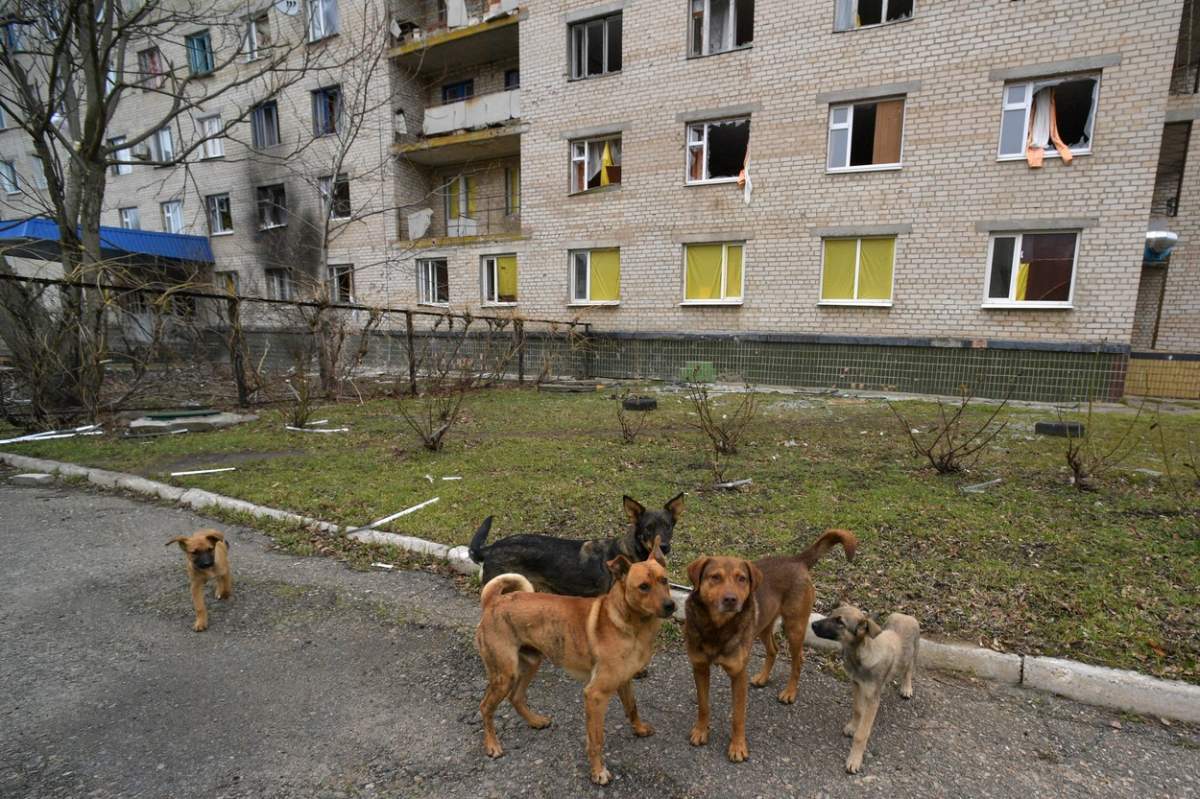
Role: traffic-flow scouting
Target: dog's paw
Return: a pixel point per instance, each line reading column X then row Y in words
column 200, row 626
column 760, row 680
column 906, row 692
column 849, row 729
column 787, row 696
column 699, row 736
column 643, row 730
column 853, row 764
column 493, row 748
column 602, row 777
column 738, row 751
column 225, row 595
column 538, row 721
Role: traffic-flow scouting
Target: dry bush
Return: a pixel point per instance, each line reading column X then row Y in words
column 723, row 430
column 1086, row 459
column 949, row 446
column 631, row 426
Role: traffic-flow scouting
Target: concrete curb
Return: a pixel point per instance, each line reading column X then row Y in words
column 1095, row 685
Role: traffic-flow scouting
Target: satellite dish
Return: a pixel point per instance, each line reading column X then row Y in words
column 289, row 7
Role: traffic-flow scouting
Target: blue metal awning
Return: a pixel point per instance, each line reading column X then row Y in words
column 37, row 237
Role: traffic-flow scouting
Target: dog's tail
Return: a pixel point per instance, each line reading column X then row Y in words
column 503, row 584
column 826, row 542
column 475, row 548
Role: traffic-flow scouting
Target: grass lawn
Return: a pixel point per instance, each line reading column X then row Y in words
column 1031, row 565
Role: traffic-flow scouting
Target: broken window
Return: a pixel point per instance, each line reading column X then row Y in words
column 499, row 278
column 162, row 146
column 322, row 19
column 220, row 214
column 226, row 281
column 1172, row 157
column 281, row 284
column 201, row 60
column 720, row 25
column 1032, row 268
column 1045, row 118
column 172, row 216
column 512, row 79
column 712, row 273
column 459, row 90
column 866, row 134
column 717, row 150
column 150, row 67
column 857, row 271
column 326, row 110
column 433, row 282
column 272, row 206
column 596, row 46
column 258, row 37
column 264, row 125
column 852, row 14
column 596, row 276
column 341, row 283
column 335, row 194
column 595, row 163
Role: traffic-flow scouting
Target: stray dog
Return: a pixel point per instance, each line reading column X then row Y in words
column 873, row 657
column 734, row 601
column 207, row 559
column 602, row 642
column 576, row 568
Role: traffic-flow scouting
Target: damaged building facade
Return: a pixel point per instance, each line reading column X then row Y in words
column 885, row 194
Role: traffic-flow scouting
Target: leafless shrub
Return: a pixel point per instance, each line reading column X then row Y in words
column 304, row 392
column 723, row 430
column 950, row 446
column 1086, row 459
column 631, row 426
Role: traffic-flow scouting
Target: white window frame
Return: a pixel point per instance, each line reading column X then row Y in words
column 157, row 151
column 725, row 300
column 323, row 20
column 705, row 29
column 858, row 240
column 883, row 20
column 170, row 211
column 848, row 126
column 579, row 30
column 702, row 144
column 253, row 50
column 334, row 272
column 213, row 147
column 38, row 172
column 130, row 214
column 574, row 301
column 326, row 186
column 227, row 279
column 490, row 269
column 258, row 125
column 212, row 203
column 587, row 144
column 427, row 281
column 989, row 302
column 281, row 283
column 121, row 154
column 1049, row 151
column 8, row 177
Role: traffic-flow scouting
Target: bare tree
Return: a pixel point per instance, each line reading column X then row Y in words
column 949, row 445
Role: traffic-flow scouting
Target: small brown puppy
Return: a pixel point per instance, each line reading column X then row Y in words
column 207, row 559
column 734, row 601
column 600, row 641
column 873, row 657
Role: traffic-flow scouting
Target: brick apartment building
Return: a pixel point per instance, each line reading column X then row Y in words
column 902, row 194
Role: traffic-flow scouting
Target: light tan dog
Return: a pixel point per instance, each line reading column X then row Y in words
column 873, row 658
column 207, row 559
column 735, row 601
column 600, row 641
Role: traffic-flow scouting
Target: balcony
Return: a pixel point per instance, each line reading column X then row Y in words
column 466, row 38
column 492, row 221
column 487, row 126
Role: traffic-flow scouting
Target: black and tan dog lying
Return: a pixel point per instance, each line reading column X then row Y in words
column 600, row 641
column 571, row 567
column 873, row 658
column 207, row 559
column 734, row 601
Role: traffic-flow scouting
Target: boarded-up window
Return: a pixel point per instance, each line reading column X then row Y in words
column 712, row 272
column 858, row 271
column 596, row 276
column 1033, row 268
column 866, row 134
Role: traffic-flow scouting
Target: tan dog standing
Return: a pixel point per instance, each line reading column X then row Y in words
column 734, row 601
column 873, row 658
column 207, row 559
column 600, row 641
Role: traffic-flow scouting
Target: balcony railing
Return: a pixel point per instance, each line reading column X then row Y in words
column 493, row 217
column 417, row 31
column 474, row 113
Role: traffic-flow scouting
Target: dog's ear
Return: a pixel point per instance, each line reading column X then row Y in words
column 633, row 509
column 873, row 629
column 214, row 537
column 862, row 628
column 181, row 540
column 619, row 566
column 756, row 575
column 674, row 506
column 695, row 570
column 656, row 552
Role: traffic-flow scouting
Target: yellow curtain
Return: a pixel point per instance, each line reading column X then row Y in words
column 1022, row 279
column 606, row 161
column 454, row 198
column 506, row 279
column 605, row 275
column 733, row 269
column 703, row 275
column 875, row 269
column 837, row 276
column 470, row 197
column 514, row 189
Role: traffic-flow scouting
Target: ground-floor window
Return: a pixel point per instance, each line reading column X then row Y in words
column 596, row 276
column 1032, row 269
column 499, row 278
column 858, row 271
column 341, row 283
column 712, row 273
column 433, row 282
column 281, row 284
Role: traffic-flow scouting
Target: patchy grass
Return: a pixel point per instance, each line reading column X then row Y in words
column 1031, row 565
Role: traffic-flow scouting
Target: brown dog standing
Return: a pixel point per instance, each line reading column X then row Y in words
column 734, row 601
column 207, row 559
column 600, row 641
